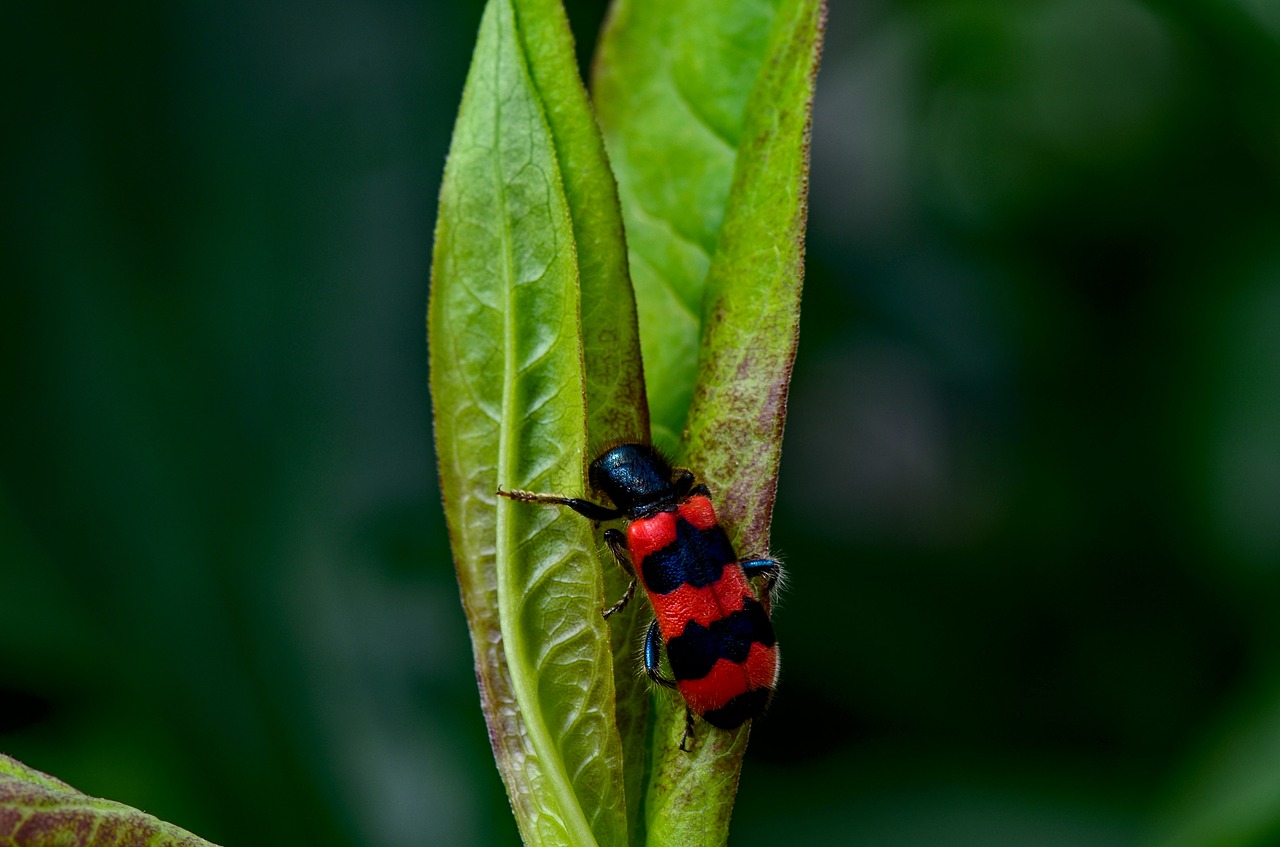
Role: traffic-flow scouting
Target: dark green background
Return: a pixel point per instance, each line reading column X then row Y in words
column 1030, row 497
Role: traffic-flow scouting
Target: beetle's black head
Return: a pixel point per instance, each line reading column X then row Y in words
column 634, row 477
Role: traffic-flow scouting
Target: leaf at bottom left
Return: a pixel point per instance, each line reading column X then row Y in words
column 37, row 810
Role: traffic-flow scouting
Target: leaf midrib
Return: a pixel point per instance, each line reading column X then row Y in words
column 571, row 815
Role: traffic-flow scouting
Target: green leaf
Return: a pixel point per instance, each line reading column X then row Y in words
column 611, row 345
column 508, row 392
column 38, row 810
column 616, row 406
column 707, row 116
column 672, row 88
column 751, row 306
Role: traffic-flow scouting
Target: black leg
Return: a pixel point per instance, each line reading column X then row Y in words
column 589, row 510
column 681, row 481
column 772, row 573
column 618, row 546
column 652, row 654
column 688, row 730
column 700, row 490
column 767, row 568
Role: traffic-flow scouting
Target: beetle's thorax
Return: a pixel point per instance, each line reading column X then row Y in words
column 635, row 479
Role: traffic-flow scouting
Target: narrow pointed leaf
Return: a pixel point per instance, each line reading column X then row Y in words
column 611, row 344
column 508, row 393
column 751, row 306
column 751, row 309
column 616, row 406
column 670, row 86
column 36, row 809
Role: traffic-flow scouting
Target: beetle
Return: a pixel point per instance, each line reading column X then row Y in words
column 716, row 632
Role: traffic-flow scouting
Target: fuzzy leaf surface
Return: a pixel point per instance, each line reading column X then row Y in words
column 37, row 810
column 508, row 393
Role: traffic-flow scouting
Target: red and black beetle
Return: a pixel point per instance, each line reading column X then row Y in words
column 717, row 634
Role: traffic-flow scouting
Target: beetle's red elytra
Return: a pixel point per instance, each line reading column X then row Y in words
column 717, row 635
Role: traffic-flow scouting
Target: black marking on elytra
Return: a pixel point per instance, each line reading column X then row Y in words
column 695, row 557
column 740, row 709
column 695, row 651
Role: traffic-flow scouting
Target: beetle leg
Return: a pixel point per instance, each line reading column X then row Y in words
column 592, row 511
column 683, row 483
column 688, row 730
column 652, row 652
column 682, row 480
column 767, row 568
column 618, row 546
column 652, row 644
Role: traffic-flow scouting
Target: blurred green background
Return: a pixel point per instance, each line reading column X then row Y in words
column 1030, row 496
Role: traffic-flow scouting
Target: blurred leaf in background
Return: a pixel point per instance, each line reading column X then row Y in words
column 1026, row 391
column 1030, row 490
column 229, row 599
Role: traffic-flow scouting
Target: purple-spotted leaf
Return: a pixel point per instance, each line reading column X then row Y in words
column 37, row 810
column 751, row 304
column 508, row 388
column 671, row 82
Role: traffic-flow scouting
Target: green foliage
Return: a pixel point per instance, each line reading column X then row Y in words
column 671, row 86
column 1030, row 484
column 613, row 377
column 37, row 810
column 535, row 356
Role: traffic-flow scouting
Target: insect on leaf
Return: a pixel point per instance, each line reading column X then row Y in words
column 719, row 100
